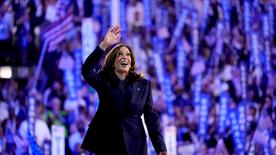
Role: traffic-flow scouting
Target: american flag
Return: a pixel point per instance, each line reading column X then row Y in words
column 57, row 31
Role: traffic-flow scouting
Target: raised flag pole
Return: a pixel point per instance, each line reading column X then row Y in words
column 40, row 61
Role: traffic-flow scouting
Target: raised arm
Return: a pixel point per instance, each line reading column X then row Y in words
column 89, row 68
column 112, row 36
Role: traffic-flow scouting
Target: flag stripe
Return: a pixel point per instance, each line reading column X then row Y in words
column 53, row 44
column 58, row 27
column 61, row 32
column 56, row 23
column 56, row 39
column 56, row 32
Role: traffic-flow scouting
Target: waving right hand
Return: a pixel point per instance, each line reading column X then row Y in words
column 112, row 36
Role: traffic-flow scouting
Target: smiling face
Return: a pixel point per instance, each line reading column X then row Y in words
column 122, row 61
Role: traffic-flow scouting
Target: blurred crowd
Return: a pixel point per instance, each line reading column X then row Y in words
column 215, row 46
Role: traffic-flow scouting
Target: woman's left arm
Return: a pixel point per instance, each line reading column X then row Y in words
column 153, row 125
column 89, row 71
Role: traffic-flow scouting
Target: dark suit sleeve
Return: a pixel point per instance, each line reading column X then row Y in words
column 153, row 123
column 89, row 71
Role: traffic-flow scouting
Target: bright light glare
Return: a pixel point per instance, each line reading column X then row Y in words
column 5, row 72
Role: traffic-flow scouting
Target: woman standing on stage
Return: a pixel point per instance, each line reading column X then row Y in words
column 124, row 95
